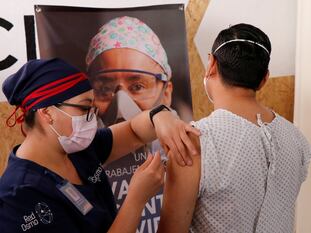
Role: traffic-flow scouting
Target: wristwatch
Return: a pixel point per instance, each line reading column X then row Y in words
column 157, row 110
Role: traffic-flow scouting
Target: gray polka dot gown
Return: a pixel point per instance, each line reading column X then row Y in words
column 250, row 175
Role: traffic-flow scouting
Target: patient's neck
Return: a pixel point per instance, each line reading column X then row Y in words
column 242, row 102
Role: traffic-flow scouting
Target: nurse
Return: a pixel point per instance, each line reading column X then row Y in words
column 55, row 181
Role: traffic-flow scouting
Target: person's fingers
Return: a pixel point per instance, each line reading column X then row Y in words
column 156, row 162
column 190, row 129
column 189, row 144
column 146, row 163
column 179, row 159
column 162, row 173
column 162, row 167
column 173, row 149
column 164, row 147
column 180, row 146
column 170, row 144
column 158, row 165
column 190, row 148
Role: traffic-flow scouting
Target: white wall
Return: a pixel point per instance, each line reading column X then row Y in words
column 277, row 18
column 302, row 116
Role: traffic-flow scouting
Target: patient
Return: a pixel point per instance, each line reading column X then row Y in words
column 252, row 161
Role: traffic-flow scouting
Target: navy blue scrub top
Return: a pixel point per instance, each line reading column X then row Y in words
column 31, row 202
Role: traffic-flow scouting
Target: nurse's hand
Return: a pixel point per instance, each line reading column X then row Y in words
column 145, row 183
column 147, row 180
column 173, row 136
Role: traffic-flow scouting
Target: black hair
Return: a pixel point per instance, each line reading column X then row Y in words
column 242, row 64
column 30, row 117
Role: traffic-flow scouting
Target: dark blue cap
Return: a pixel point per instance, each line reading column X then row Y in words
column 42, row 83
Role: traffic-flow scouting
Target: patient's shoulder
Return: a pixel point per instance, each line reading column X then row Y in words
column 196, row 142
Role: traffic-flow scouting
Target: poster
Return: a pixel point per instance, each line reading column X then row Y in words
column 136, row 58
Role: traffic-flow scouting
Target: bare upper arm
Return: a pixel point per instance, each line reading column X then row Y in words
column 180, row 194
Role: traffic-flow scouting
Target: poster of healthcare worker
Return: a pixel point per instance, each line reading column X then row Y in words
column 135, row 58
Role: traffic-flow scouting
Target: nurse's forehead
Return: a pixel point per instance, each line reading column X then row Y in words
column 86, row 97
column 125, row 58
column 117, row 77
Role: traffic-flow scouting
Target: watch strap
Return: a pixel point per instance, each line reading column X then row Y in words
column 156, row 110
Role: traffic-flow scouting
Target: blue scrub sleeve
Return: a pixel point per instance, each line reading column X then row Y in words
column 27, row 210
column 103, row 143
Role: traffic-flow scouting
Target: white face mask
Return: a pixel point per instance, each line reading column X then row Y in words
column 205, row 81
column 205, row 88
column 83, row 133
column 123, row 107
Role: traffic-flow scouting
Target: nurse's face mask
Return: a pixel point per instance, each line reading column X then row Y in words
column 83, row 129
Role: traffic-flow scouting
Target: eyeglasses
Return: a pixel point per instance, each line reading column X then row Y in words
column 140, row 85
column 159, row 76
column 91, row 110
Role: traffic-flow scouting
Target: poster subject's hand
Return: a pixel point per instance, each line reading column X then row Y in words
column 173, row 135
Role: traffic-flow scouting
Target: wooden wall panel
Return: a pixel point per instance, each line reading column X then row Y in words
column 9, row 137
column 278, row 94
column 194, row 15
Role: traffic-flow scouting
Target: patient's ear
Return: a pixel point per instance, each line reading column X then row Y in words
column 264, row 80
column 211, row 65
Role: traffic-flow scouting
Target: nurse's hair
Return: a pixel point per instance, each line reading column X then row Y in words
column 242, row 53
column 30, row 119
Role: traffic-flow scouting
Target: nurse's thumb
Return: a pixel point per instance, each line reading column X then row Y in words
column 146, row 163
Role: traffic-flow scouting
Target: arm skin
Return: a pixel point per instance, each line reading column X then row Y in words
column 172, row 133
column 145, row 183
column 180, row 194
column 127, row 139
column 128, row 217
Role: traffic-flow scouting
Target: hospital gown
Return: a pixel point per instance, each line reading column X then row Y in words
column 250, row 174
